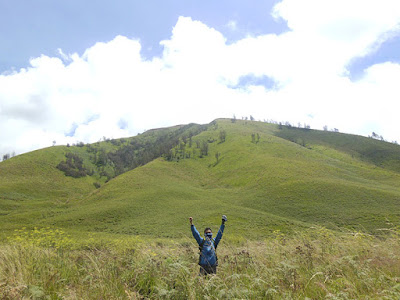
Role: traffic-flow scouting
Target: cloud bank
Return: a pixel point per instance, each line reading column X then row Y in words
column 112, row 91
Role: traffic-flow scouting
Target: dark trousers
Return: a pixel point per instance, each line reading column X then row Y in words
column 207, row 269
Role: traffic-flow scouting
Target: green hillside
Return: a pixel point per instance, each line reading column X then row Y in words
column 32, row 188
column 264, row 178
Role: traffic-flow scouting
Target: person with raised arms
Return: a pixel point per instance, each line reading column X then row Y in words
column 208, row 259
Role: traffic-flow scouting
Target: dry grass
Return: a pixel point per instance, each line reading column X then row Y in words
column 316, row 264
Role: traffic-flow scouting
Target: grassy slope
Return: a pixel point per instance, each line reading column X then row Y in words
column 31, row 188
column 274, row 184
column 380, row 153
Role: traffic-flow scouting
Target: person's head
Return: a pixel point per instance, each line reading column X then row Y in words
column 208, row 232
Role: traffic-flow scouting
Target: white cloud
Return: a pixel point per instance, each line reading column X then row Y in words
column 111, row 85
column 338, row 30
column 232, row 25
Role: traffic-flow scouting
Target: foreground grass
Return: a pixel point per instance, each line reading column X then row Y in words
column 48, row 264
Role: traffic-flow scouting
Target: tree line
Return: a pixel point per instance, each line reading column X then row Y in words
column 130, row 153
column 8, row 155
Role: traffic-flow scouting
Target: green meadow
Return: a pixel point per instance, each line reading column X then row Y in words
column 315, row 263
column 310, row 214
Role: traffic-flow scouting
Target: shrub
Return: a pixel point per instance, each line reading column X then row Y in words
column 73, row 166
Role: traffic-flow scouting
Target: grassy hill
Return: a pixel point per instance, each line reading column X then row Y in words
column 120, row 230
column 264, row 178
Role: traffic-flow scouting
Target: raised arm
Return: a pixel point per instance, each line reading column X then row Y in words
column 195, row 233
column 220, row 231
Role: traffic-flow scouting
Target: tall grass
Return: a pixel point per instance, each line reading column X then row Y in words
column 312, row 264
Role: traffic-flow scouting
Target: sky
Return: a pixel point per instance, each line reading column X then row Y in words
column 73, row 71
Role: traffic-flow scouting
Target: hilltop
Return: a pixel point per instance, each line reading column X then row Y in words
column 265, row 177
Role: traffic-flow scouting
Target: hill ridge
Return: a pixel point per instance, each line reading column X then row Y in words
column 265, row 176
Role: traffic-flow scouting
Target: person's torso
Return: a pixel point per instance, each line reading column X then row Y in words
column 208, row 255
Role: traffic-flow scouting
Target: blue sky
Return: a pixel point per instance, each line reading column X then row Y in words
column 388, row 51
column 80, row 70
column 31, row 28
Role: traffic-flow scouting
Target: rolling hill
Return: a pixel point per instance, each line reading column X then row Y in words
column 265, row 177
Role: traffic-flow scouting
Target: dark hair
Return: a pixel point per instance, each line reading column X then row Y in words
column 208, row 228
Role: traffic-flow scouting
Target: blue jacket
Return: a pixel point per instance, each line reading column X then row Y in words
column 207, row 255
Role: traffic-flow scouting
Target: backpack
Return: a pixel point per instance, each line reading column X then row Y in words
column 201, row 249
